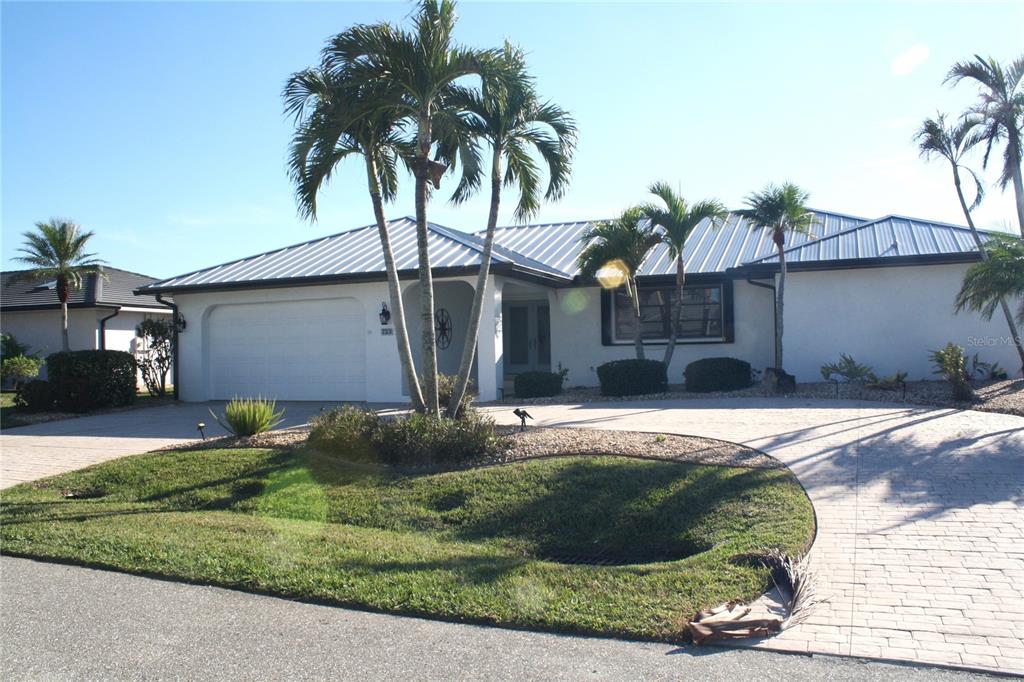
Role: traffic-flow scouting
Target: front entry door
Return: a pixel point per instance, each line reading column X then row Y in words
column 527, row 337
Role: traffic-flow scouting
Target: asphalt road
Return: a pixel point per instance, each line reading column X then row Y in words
column 64, row 622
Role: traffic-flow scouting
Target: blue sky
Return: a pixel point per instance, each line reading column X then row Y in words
column 159, row 126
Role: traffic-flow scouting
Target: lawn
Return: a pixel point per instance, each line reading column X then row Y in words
column 601, row 545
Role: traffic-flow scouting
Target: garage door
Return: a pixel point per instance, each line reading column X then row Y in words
column 297, row 350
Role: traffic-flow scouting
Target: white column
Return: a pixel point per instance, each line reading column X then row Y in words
column 489, row 347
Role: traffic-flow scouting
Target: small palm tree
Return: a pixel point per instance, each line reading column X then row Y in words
column 988, row 283
column 322, row 102
column 999, row 115
column 937, row 138
column 56, row 250
column 783, row 210
column 512, row 126
column 613, row 252
column 677, row 220
column 420, row 70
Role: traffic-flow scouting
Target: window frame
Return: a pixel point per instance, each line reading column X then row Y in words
column 725, row 286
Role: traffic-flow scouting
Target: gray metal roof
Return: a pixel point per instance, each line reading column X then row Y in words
column 117, row 289
column 889, row 237
column 353, row 253
column 707, row 250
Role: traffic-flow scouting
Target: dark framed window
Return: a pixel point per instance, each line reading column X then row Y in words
column 703, row 315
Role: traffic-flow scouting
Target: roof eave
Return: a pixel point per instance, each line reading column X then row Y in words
column 858, row 263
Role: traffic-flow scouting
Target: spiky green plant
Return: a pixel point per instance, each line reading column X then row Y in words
column 249, row 416
column 951, row 363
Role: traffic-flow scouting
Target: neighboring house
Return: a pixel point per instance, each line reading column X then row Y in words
column 102, row 313
column 304, row 322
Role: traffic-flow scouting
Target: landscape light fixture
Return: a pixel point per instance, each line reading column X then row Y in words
column 385, row 314
column 199, row 427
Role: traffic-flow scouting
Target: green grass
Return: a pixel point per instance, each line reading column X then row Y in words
column 472, row 545
column 8, row 413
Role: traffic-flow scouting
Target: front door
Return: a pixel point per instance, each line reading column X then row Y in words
column 527, row 337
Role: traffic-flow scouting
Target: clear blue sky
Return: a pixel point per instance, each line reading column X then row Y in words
column 159, row 126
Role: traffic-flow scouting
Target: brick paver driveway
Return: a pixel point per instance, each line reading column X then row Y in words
column 920, row 546
column 31, row 452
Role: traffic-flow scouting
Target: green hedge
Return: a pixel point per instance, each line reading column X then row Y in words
column 34, row 396
column 538, row 384
column 84, row 380
column 717, row 374
column 632, row 377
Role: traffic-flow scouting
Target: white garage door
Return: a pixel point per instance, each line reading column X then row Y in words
column 297, row 350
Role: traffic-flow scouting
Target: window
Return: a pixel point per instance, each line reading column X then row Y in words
column 701, row 317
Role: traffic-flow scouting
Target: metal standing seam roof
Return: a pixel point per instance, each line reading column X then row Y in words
column 351, row 253
column 889, row 237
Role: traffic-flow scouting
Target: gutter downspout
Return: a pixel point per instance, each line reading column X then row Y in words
column 174, row 356
column 103, row 327
column 770, row 287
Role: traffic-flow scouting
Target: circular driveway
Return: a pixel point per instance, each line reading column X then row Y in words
column 920, row 548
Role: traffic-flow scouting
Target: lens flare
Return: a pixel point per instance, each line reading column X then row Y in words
column 574, row 302
column 612, row 274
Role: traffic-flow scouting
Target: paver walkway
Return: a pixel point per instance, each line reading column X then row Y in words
column 920, row 548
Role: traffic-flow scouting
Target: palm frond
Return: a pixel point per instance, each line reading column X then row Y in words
column 987, row 282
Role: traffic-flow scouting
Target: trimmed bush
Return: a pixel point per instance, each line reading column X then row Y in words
column 445, row 388
column 34, row 396
column 249, row 416
column 717, row 374
column 84, row 380
column 632, row 377
column 538, row 384
column 412, row 440
column 21, row 368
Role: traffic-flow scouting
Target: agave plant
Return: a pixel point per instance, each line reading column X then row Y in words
column 249, row 416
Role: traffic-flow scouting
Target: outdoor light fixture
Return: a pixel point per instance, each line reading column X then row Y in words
column 385, row 314
column 179, row 323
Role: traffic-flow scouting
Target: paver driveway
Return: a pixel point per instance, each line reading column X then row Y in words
column 31, row 452
column 920, row 545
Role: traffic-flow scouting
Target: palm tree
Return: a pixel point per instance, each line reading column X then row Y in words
column 420, row 69
column 677, row 220
column 321, row 103
column 999, row 115
column 993, row 280
column 782, row 210
column 56, row 250
column 613, row 252
column 512, row 126
column 936, row 138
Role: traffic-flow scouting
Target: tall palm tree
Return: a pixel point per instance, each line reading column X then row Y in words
column 677, row 220
column 420, row 68
column 781, row 209
column 512, row 126
column 321, row 102
column 1000, row 115
column 936, row 138
column 56, row 250
column 613, row 252
column 990, row 282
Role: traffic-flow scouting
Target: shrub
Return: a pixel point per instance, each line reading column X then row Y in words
column 888, row 383
column 415, row 439
column 20, row 368
column 717, row 374
column 538, row 384
column 86, row 380
column 987, row 371
column 10, row 347
column 445, row 388
column 632, row 377
column 951, row 363
column 847, row 369
column 34, row 396
column 249, row 416
column 155, row 361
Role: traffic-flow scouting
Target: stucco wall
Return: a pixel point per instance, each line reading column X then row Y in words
column 889, row 318
column 576, row 335
column 40, row 329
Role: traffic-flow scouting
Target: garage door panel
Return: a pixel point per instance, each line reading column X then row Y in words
column 296, row 350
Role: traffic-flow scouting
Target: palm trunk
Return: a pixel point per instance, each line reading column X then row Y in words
column 475, row 313
column 394, row 289
column 63, row 291
column 634, row 297
column 677, row 311
column 429, row 344
column 1010, row 322
column 1018, row 184
column 779, row 300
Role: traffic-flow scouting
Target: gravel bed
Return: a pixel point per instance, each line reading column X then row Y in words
column 1005, row 396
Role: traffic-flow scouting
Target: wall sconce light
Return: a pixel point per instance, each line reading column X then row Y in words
column 385, row 314
column 179, row 322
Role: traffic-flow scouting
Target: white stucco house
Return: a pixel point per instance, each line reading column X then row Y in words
column 304, row 322
column 102, row 313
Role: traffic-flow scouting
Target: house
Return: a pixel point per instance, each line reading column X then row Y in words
column 102, row 313
column 307, row 322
